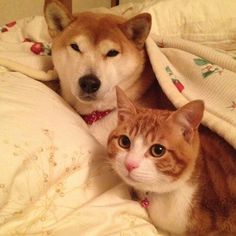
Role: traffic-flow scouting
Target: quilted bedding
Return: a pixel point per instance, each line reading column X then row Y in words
column 54, row 175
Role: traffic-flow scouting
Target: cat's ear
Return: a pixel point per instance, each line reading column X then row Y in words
column 137, row 28
column 125, row 107
column 57, row 16
column 189, row 118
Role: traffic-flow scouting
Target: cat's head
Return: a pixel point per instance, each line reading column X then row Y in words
column 155, row 150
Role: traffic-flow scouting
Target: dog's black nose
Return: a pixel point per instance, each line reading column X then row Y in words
column 89, row 83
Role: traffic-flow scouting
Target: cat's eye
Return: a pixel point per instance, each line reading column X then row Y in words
column 124, row 141
column 112, row 53
column 157, row 150
column 75, row 47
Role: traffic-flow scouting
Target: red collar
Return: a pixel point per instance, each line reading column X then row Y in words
column 145, row 203
column 95, row 116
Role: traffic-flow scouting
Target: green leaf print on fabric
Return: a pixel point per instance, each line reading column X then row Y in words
column 174, row 79
column 200, row 61
column 207, row 68
column 206, row 74
column 168, row 70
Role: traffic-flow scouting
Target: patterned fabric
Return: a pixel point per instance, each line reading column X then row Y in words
column 36, row 47
column 190, row 71
column 54, row 176
column 54, row 179
column 95, row 116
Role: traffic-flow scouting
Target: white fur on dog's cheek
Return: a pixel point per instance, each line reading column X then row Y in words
column 66, row 74
column 75, row 65
column 121, row 70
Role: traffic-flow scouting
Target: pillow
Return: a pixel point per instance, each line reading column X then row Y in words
column 54, row 175
column 46, row 155
column 201, row 20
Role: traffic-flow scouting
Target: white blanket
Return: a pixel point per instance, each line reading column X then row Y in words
column 54, row 175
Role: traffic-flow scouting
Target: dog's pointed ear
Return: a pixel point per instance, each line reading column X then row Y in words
column 138, row 28
column 126, row 108
column 57, row 16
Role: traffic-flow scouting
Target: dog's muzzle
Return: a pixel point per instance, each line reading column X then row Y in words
column 89, row 83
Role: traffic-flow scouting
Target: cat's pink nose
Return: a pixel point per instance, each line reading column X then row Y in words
column 131, row 166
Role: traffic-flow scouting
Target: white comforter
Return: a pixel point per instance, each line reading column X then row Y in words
column 54, row 177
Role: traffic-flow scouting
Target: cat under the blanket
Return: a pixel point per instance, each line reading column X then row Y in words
column 186, row 177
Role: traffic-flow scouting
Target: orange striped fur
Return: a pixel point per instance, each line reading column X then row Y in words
column 197, row 171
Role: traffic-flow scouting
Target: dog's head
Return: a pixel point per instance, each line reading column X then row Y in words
column 92, row 53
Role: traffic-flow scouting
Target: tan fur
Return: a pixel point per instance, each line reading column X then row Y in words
column 215, row 201
column 191, row 188
column 96, row 34
column 98, row 30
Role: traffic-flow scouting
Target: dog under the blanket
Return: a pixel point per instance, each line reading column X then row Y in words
column 92, row 54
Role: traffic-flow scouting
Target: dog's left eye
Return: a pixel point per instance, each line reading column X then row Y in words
column 112, row 53
column 75, row 47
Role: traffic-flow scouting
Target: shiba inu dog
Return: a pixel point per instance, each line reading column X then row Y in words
column 92, row 54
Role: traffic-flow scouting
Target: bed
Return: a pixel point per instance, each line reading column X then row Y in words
column 54, row 177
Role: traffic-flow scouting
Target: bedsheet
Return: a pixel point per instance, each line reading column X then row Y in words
column 55, row 179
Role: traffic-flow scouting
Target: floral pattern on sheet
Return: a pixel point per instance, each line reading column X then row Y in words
column 174, row 79
column 207, row 68
column 7, row 26
column 232, row 107
column 41, row 168
column 39, row 48
column 52, row 182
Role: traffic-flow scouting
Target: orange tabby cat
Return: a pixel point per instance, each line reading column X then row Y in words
column 188, row 180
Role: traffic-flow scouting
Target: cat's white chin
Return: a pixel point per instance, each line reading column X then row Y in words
column 149, row 183
column 155, row 187
column 138, row 182
column 135, row 177
column 147, row 178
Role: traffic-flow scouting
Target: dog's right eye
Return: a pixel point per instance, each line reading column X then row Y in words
column 112, row 53
column 75, row 47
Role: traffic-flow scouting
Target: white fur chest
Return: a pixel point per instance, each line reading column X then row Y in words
column 170, row 211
